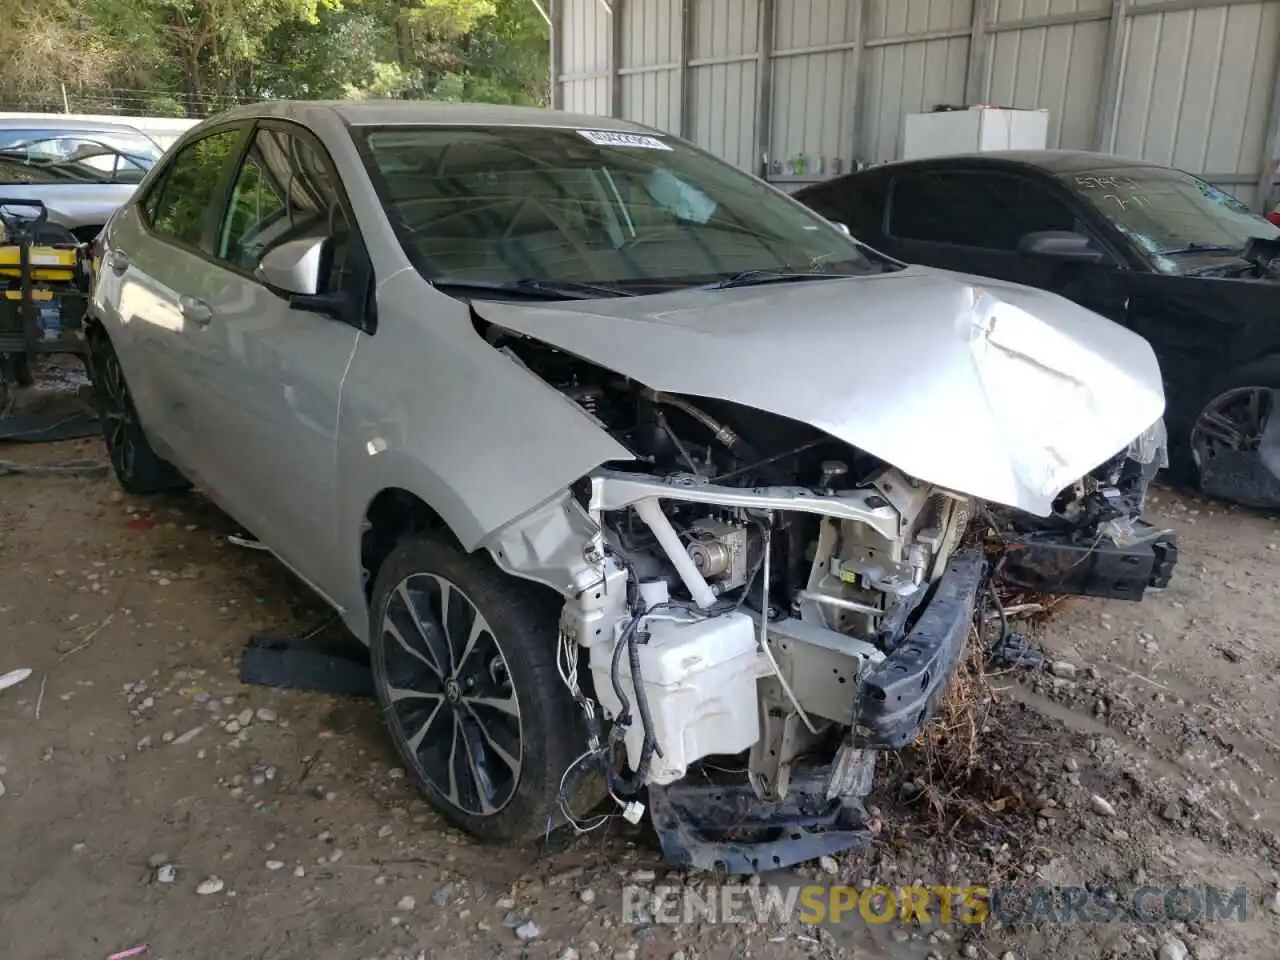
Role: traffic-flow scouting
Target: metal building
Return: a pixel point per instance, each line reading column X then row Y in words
column 796, row 90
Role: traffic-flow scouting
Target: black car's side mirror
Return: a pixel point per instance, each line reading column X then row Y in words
column 1060, row 245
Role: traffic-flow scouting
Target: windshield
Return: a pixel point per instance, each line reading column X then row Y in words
column 75, row 156
column 1171, row 215
column 644, row 213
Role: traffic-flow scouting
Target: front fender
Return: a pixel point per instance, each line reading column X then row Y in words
column 428, row 406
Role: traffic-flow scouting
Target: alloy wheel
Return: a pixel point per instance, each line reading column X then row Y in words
column 449, row 694
column 1233, row 421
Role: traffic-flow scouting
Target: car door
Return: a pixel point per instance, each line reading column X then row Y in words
column 976, row 221
column 156, row 266
column 269, row 398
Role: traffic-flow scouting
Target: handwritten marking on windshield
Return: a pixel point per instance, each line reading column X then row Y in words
column 1107, row 183
column 1123, row 203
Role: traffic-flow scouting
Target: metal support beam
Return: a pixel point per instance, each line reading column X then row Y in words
column 976, row 79
column 1050, row 20
column 899, row 39
column 1112, row 89
column 1270, row 165
column 556, row 11
column 682, row 69
column 764, row 86
column 616, row 16
column 1180, row 6
column 861, row 14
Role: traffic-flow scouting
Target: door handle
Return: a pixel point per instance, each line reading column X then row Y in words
column 119, row 262
column 197, row 311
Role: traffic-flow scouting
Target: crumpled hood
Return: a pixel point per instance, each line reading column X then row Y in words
column 986, row 388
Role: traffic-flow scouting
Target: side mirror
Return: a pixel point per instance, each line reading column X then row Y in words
column 842, row 227
column 294, row 266
column 294, row 270
column 1060, row 245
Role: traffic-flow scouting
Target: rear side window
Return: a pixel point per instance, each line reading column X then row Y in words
column 992, row 211
column 178, row 206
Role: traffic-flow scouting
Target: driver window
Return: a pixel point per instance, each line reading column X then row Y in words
column 283, row 192
column 990, row 211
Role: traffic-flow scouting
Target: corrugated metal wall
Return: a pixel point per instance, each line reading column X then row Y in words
column 917, row 56
column 1192, row 83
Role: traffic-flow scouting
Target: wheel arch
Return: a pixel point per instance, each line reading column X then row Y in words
column 390, row 514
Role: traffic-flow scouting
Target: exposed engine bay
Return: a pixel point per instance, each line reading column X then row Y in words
column 753, row 588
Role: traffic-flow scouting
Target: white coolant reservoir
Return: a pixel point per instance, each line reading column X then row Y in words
column 700, row 678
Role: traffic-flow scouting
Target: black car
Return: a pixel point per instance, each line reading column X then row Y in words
column 1164, row 253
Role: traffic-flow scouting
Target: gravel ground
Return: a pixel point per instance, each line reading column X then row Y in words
column 150, row 798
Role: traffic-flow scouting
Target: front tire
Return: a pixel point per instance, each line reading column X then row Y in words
column 1226, row 449
column 138, row 468
column 464, row 663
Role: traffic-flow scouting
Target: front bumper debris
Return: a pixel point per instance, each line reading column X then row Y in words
column 714, row 826
column 1053, row 562
column 706, row 826
column 898, row 696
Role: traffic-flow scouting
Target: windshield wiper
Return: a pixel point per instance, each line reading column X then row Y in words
column 1200, row 248
column 534, row 286
column 751, row 278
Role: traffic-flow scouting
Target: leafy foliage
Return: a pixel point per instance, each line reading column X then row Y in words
column 195, row 57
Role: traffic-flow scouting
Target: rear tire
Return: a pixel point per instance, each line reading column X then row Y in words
column 138, row 468
column 473, row 699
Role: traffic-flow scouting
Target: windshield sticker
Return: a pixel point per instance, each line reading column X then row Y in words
column 635, row 141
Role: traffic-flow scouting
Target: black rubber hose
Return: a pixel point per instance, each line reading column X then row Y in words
column 624, row 715
column 725, row 436
column 649, row 746
column 629, row 785
column 642, row 704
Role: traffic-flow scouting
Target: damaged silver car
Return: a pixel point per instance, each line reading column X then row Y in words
column 631, row 471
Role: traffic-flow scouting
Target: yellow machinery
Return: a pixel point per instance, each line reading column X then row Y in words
column 44, row 287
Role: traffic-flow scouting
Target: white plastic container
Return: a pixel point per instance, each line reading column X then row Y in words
column 700, row 678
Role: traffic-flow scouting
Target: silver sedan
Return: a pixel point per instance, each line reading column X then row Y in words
column 617, row 458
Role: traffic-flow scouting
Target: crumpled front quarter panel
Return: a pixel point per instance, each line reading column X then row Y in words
column 429, row 407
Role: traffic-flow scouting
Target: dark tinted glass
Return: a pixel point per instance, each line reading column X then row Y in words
column 992, row 211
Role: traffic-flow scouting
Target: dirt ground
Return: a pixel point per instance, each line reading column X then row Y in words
column 125, row 793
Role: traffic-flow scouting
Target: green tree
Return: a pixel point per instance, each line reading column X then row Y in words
column 509, row 57
column 198, row 56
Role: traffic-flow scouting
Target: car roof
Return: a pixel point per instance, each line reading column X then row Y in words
column 1050, row 161
column 388, row 112
column 69, row 125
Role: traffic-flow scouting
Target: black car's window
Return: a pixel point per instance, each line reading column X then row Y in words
column 284, row 191
column 853, row 202
column 178, row 206
column 1169, row 214
column 991, row 211
column 506, row 203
